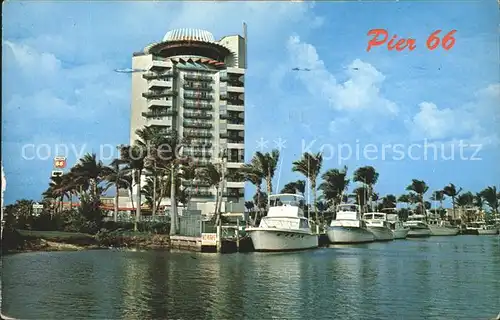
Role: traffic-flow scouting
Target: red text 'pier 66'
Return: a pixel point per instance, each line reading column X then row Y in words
column 380, row 36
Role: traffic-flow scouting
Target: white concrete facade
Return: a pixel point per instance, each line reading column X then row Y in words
column 195, row 85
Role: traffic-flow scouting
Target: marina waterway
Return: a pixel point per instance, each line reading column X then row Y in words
column 432, row 278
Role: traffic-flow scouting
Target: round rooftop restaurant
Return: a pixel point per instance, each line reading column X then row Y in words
column 188, row 35
column 186, row 42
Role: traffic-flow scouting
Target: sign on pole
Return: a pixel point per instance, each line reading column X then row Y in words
column 37, row 206
column 209, row 239
column 59, row 162
column 57, row 173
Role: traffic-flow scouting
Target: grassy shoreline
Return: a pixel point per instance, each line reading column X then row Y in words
column 19, row 241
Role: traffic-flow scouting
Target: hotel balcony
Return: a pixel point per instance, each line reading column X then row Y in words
column 159, row 84
column 198, row 77
column 232, row 107
column 232, row 70
column 197, row 106
column 235, row 165
column 237, row 127
column 159, row 94
column 159, row 63
column 235, row 184
column 197, row 124
column 159, row 75
column 199, row 87
column 198, row 154
column 197, row 115
column 160, row 103
column 234, row 194
column 201, row 194
column 198, row 96
column 195, row 183
column 161, row 114
column 236, row 89
column 197, row 134
column 199, row 143
column 239, row 146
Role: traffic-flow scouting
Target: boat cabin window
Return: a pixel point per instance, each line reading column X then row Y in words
column 379, row 216
column 368, row 216
column 347, row 207
column 304, row 224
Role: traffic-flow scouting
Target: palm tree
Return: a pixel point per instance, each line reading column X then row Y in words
column 490, row 196
column 451, row 191
column 134, row 156
column 310, row 166
column 116, row 176
column 253, row 173
column 389, row 201
column 334, row 185
column 360, row 194
column 404, row 199
column 420, row 188
column 464, row 201
column 91, row 171
column 479, row 201
column 368, row 176
column 212, row 175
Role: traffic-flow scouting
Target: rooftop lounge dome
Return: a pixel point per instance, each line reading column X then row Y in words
column 188, row 34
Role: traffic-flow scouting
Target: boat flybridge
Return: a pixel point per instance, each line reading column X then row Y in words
column 348, row 226
column 377, row 223
column 284, row 227
column 399, row 230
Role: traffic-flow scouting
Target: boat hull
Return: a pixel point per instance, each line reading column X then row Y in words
column 400, row 233
column 443, row 231
column 381, row 233
column 487, row 232
column 345, row 235
column 264, row 239
column 419, row 233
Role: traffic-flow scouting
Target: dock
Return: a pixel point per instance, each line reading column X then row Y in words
column 206, row 243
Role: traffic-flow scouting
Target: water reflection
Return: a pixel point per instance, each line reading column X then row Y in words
column 439, row 278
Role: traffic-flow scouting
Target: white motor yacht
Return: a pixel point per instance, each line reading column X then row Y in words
column 348, row 226
column 442, row 228
column 481, row 228
column 284, row 227
column 399, row 230
column 377, row 223
column 418, row 226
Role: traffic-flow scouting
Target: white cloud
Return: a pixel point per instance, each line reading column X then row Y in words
column 476, row 121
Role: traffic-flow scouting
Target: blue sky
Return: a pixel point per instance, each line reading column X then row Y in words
column 59, row 86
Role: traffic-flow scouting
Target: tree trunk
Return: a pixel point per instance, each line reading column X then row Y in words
column 313, row 187
column 138, row 199
column 423, row 206
column 115, row 216
column 173, row 202
column 258, row 207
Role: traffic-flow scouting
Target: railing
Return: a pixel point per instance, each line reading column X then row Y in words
column 197, row 77
column 202, row 106
column 197, row 87
column 162, row 114
column 204, row 194
column 205, row 154
column 199, row 96
column 156, row 75
column 195, row 183
column 201, row 134
column 197, row 124
column 158, row 94
column 200, row 115
column 233, row 120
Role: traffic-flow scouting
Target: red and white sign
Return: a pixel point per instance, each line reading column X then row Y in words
column 60, row 162
column 209, row 239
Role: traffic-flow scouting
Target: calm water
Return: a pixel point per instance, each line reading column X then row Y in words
column 435, row 278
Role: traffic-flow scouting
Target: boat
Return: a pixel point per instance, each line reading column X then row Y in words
column 348, row 226
column 377, row 224
column 481, row 228
column 399, row 230
column 442, row 228
column 284, row 228
column 418, row 227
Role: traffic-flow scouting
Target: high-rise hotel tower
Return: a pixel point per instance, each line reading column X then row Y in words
column 193, row 84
